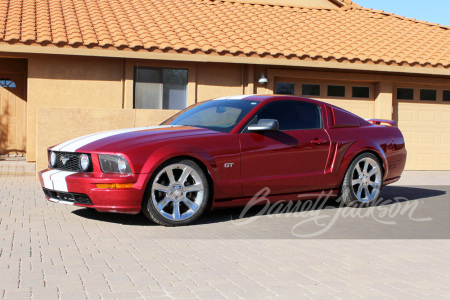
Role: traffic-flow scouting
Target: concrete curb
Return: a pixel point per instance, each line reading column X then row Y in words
column 413, row 178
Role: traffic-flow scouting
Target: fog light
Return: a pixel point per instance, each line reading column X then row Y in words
column 52, row 159
column 84, row 162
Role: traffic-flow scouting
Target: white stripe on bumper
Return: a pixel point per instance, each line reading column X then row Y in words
column 59, row 180
column 48, row 184
column 56, row 180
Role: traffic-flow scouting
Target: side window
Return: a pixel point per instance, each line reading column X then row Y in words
column 293, row 115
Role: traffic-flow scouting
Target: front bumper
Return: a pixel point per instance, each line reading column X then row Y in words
column 80, row 189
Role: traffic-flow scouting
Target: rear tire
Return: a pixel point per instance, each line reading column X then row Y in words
column 362, row 182
column 177, row 194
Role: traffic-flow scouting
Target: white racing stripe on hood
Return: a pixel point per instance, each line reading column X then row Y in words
column 73, row 145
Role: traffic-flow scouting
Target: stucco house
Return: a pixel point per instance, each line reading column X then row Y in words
column 69, row 68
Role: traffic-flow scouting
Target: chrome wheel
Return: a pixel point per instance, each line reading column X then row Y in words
column 177, row 192
column 366, row 179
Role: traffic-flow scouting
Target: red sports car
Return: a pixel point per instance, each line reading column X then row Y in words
column 220, row 153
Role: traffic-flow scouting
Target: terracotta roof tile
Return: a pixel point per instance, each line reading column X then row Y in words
column 348, row 33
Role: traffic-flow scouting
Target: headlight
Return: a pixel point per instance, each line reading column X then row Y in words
column 114, row 164
column 52, row 159
column 84, row 162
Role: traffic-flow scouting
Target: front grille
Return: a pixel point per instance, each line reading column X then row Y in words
column 72, row 161
column 68, row 197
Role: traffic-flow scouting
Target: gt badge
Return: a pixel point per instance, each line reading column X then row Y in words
column 229, row 165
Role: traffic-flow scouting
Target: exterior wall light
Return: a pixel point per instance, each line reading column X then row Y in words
column 262, row 79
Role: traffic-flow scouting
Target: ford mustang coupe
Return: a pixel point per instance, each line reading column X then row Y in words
column 221, row 153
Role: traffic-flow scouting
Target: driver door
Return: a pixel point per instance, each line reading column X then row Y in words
column 288, row 161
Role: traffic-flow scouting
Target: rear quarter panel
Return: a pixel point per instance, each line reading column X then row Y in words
column 350, row 142
column 396, row 153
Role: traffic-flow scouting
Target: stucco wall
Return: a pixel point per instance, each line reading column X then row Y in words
column 218, row 80
column 85, row 83
column 82, row 121
column 92, row 94
column 70, row 81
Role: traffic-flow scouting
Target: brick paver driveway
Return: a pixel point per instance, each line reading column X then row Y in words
column 51, row 251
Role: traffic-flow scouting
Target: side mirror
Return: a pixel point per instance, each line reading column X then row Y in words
column 265, row 125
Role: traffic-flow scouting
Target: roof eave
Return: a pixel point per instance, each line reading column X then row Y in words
column 341, row 3
column 83, row 51
column 337, row 3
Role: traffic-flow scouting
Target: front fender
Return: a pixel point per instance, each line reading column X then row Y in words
column 166, row 152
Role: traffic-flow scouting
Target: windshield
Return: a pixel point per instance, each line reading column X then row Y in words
column 219, row 115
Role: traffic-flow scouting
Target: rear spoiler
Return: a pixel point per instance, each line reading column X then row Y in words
column 381, row 122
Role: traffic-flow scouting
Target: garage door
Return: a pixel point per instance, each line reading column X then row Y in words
column 426, row 128
column 360, row 104
column 364, row 109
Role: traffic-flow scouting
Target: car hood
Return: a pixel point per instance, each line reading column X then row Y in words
column 117, row 140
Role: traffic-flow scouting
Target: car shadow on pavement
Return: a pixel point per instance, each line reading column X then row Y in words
column 390, row 195
column 411, row 193
column 124, row 219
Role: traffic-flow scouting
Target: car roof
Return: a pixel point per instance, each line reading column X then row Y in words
column 268, row 97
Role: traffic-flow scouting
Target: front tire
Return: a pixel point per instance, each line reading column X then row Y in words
column 177, row 194
column 363, row 181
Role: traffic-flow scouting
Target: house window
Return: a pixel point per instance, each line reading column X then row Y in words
column 285, row 88
column 446, row 95
column 405, row 94
column 7, row 83
column 361, row 92
column 429, row 95
column 336, row 90
column 160, row 88
column 311, row 89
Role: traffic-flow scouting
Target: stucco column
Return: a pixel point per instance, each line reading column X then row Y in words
column 250, row 88
column 383, row 100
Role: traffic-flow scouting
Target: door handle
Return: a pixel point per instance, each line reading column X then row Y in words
column 318, row 141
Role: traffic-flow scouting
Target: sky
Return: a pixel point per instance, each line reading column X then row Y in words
column 433, row 11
